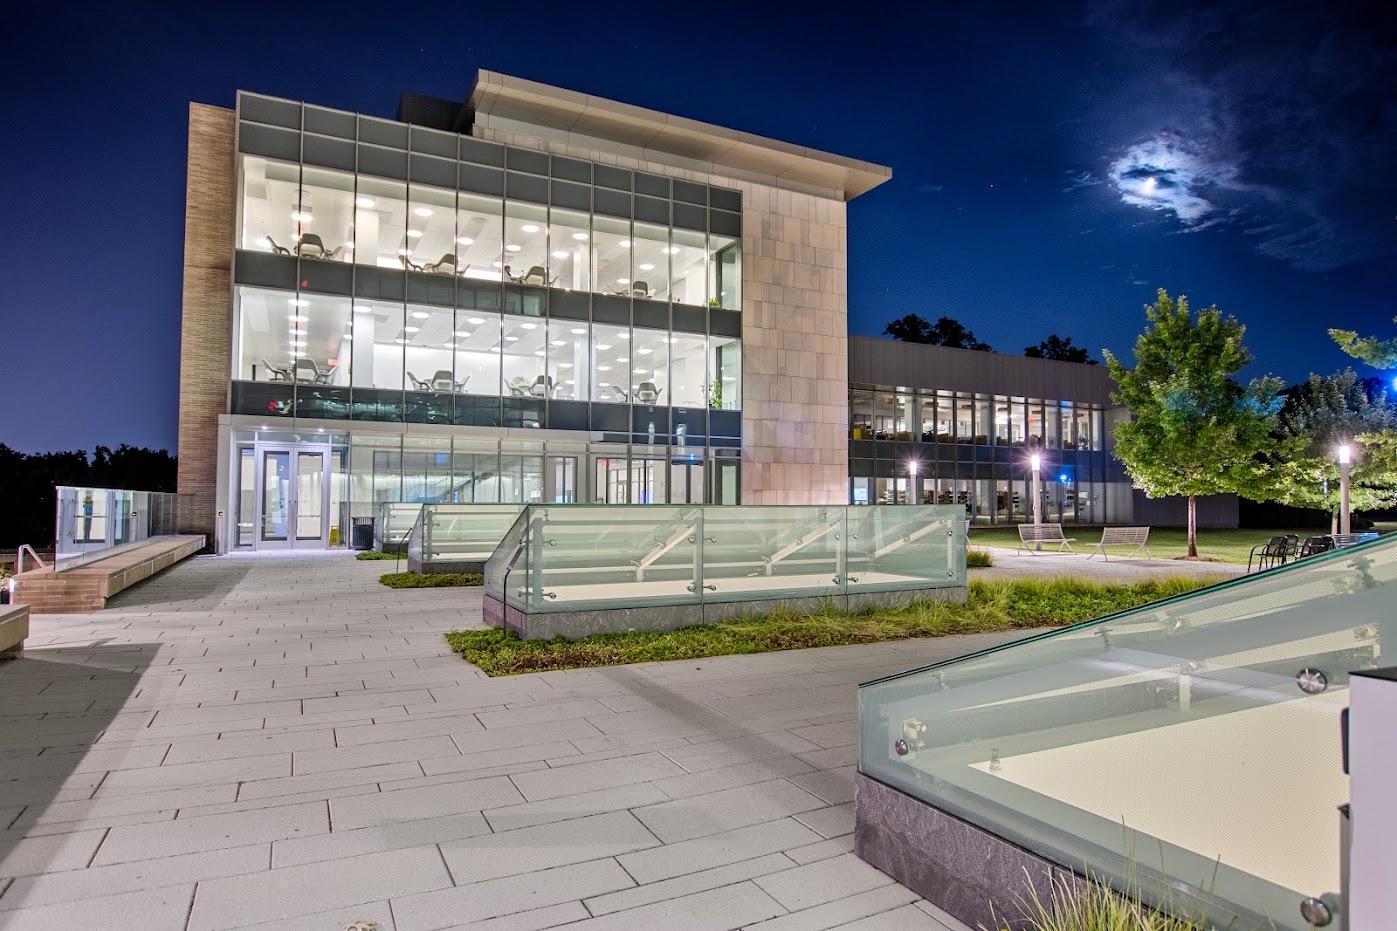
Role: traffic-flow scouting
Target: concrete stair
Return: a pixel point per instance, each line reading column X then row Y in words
column 87, row 588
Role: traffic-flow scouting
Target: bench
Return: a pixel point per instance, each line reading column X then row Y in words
column 14, row 627
column 1031, row 536
column 87, row 587
column 1138, row 537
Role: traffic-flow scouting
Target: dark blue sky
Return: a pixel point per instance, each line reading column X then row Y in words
column 1052, row 166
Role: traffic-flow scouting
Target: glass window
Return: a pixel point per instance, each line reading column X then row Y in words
column 380, row 223
column 725, row 271
column 479, row 236
column 945, row 416
column 325, row 218
column 650, row 366
column 1034, row 422
column 475, row 471
column 567, row 360
column 651, row 250
column 688, row 372
column 379, row 344
column 900, row 428
column 525, row 243
column 523, row 358
column 1002, row 425
column 861, row 417
column 611, row 378
column 687, row 261
column 611, row 255
column 1018, row 431
column 1081, row 428
column 1051, row 432
column 426, row 469
column 428, row 350
column 477, row 343
column 725, row 373
column 431, row 231
column 984, row 421
column 269, row 200
column 569, row 255
column 283, row 337
column 1097, row 433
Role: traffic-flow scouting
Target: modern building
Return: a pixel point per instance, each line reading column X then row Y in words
column 529, row 295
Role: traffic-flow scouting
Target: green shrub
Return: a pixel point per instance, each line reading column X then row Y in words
column 431, row 579
column 978, row 559
column 990, row 606
column 375, row 554
column 1089, row 906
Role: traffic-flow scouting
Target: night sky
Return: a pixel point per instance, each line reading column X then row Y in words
column 1051, row 167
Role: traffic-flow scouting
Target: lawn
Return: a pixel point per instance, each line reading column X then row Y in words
column 1165, row 542
column 432, row 579
column 990, row 606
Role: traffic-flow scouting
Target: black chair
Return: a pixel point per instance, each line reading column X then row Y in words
column 1268, row 554
column 1315, row 545
column 1292, row 547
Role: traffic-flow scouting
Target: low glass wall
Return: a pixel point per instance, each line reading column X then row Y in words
column 458, row 533
column 94, row 523
column 589, row 557
column 1190, row 748
column 393, row 523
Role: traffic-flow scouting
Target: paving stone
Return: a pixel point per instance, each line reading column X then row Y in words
column 688, row 884
column 545, row 845
column 841, row 911
column 721, row 811
column 728, row 777
column 194, row 774
column 835, row 786
column 563, row 808
column 395, row 836
column 586, row 777
column 907, row 918
column 508, row 895
column 71, row 885
column 728, row 847
column 310, row 762
column 163, row 909
column 823, row 881
column 25, row 856
column 211, row 832
column 726, row 907
column 830, row 822
column 426, row 802
column 226, row 748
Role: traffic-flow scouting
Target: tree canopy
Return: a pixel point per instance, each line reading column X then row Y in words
column 1194, row 429
column 946, row 331
column 1379, row 353
column 1061, row 349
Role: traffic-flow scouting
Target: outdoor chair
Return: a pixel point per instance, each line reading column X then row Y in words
column 1269, row 554
column 409, row 264
column 542, row 387
column 1138, row 537
column 647, row 393
column 1030, row 535
column 279, row 250
column 443, row 381
column 312, row 246
column 1315, row 545
column 536, row 276
column 278, row 373
column 308, row 373
column 446, row 265
column 419, row 384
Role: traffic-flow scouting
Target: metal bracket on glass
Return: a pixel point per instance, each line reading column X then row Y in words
column 1311, row 681
column 551, row 596
column 707, row 588
column 551, row 542
column 1319, row 911
column 911, row 740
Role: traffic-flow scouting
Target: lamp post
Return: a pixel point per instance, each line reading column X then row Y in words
column 1345, row 455
column 912, row 466
column 1036, row 462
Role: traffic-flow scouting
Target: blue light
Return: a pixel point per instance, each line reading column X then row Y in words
column 1063, row 478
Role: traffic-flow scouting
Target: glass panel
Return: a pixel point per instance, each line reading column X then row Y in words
column 310, row 496
column 526, row 244
column 269, row 200
column 431, row 231
column 650, row 366
column 861, row 414
column 1051, row 433
column 651, row 256
column 611, row 377
column 523, row 356
column 325, row 217
column 772, row 552
column 688, row 257
column 380, row 223
column 1157, row 747
column 276, row 481
column 688, row 371
column 945, row 416
column 393, row 521
column 568, row 367
column 983, row 423
column 247, row 496
column 477, row 340
column 460, row 533
column 479, row 236
column 563, row 471
column 725, row 373
column 380, row 341
column 725, row 269
column 569, row 255
column 611, row 251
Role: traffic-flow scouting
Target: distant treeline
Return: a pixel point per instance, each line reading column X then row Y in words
column 27, row 481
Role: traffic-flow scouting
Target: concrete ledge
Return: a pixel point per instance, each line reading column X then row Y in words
column 576, row 624
column 88, row 587
column 14, row 627
column 978, row 877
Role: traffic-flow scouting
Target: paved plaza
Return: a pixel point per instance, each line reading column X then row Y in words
column 1118, row 570
column 280, row 742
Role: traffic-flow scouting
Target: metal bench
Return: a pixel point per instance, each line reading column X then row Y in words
column 1138, row 537
column 1032, row 536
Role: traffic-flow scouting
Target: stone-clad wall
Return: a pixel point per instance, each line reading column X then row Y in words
column 795, row 404
column 205, row 329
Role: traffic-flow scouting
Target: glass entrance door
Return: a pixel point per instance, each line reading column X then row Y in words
column 292, row 497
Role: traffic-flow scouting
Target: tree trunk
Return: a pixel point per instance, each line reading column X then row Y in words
column 1334, row 521
column 1192, row 526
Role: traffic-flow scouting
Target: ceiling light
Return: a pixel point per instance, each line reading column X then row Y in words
column 512, row 248
column 511, row 339
column 538, row 352
column 420, row 315
column 625, row 244
column 528, row 326
column 645, row 352
column 580, row 237
column 422, row 211
column 361, row 309
column 365, row 202
column 404, row 252
column 494, row 348
column 412, row 329
column 464, row 333
column 645, row 266
column 623, row 281
column 603, row 368
column 301, row 216
column 670, row 250
column 497, row 264
column 299, row 302
column 561, row 254
column 603, row 346
column 448, row 345
column 564, row 365
column 475, row 321
column 558, row 342
column 414, row 234
column 400, row 341
column 465, row 240
column 529, row 228
column 623, row 358
column 579, row 331
column 623, row 336
column 299, row 318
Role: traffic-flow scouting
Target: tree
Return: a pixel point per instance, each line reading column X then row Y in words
column 1318, row 417
column 1194, row 429
column 1379, row 353
column 944, row 332
column 1061, row 349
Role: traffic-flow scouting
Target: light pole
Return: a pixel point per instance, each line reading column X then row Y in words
column 1036, row 461
column 912, row 466
column 1345, row 458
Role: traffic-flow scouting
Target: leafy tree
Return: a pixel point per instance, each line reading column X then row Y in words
column 944, row 332
column 1318, row 417
column 1379, row 353
column 1061, row 349
column 1194, row 429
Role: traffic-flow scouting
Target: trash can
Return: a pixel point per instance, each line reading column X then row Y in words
column 363, row 533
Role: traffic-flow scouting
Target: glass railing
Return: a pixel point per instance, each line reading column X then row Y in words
column 1190, row 749
column 587, row 557
column 392, row 524
column 458, row 533
column 94, row 523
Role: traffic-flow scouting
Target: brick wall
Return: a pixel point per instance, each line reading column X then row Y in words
column 205, row 327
